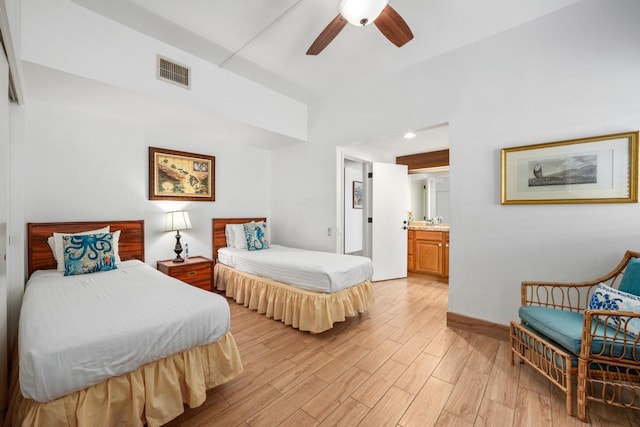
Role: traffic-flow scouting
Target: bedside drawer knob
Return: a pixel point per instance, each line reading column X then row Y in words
column 192, row 273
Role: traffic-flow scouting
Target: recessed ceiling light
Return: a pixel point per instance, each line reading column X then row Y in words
column 409, row 135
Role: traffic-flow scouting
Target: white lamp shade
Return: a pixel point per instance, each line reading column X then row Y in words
column 362, row 12
column 177, row 220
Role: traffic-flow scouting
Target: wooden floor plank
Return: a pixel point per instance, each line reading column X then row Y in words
column 389, row 409
column 467, row 395
column 428, row 404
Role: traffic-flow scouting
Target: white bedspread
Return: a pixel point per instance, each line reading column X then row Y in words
column 312, row 270
column 77, row 331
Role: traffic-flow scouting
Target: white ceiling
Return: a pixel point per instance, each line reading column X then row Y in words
column 266, row 40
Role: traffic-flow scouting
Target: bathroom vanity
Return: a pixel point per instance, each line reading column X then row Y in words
column 428, row 251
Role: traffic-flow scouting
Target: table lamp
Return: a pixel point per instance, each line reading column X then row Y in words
column 176, row 221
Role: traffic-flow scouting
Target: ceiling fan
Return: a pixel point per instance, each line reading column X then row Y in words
column 361, row 13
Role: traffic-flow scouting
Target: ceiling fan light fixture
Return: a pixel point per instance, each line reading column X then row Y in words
column 362, row 12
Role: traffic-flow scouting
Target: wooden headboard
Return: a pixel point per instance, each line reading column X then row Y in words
column 39, row 256
column 219, row 239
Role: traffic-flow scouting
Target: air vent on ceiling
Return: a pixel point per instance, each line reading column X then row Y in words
column 172, row 72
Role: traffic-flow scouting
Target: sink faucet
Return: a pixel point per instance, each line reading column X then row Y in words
column 436, row 220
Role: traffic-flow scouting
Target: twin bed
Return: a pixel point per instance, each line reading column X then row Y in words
column 308, row 290
column 132, row 346
column 129, row 346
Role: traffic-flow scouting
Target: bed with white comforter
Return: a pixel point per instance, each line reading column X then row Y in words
column 77, row 331
column 311, row 270
column 123, row 345
column 309, row 290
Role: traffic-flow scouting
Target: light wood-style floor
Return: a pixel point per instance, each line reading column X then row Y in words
column 396, row 365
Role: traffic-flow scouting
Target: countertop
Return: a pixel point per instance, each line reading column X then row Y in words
column 422, row 226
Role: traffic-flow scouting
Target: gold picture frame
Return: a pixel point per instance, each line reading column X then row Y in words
column 178, row 175
column 600, row 169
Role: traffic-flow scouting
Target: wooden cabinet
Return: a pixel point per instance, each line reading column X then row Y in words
column 195, row 271
column 428, row 253
column 445, row 260
column 410, row 244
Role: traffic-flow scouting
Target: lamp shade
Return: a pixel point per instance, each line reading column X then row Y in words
column 362, row 12
column 177, row 220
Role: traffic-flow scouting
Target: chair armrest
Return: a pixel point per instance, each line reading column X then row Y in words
column 562, row 296
column 570, row 296
column 609, row 344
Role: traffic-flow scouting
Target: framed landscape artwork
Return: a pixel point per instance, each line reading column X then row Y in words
column 178, row 175
column 601, row 169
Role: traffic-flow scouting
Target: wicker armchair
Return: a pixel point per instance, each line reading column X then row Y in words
column 605, row 359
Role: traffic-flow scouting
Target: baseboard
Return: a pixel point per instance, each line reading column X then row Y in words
column 478, row 326
column 433, row 277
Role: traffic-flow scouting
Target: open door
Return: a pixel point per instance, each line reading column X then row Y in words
column 389, row 200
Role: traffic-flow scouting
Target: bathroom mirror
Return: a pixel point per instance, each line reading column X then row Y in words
column 429, row 194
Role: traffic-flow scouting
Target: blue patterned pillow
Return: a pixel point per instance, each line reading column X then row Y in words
column 607, row 298
column 256, row 233
column 88, row 253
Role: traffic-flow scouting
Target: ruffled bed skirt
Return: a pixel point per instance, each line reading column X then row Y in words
column 153, row 394
column 308, row 311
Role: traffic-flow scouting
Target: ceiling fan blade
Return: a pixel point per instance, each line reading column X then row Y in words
column 391, row 24
column 328, row 34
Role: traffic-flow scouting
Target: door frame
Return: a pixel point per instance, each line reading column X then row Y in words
column 340, row 203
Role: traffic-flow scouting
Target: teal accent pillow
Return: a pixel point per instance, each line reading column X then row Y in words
column 631, row 278
column 89, row 253
column 256, row 233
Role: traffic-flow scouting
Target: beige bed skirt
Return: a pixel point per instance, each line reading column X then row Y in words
column 153, row 394
column 308, row 311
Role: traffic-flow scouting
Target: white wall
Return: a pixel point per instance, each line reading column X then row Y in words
column 567, row 75
column 303, row 190
column 85, row 166
column 65, row 36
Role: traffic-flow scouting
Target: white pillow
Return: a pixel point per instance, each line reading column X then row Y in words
column 55, row 243
column 116, row 240
column 607, row 298
column 228, row 234
column 235, row 236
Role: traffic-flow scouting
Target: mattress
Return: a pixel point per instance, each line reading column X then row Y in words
column 311, row 270
column 77, row 331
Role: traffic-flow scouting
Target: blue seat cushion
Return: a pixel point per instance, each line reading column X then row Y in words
column 565, row 328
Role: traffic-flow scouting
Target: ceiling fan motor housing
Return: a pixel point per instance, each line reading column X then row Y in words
column 362, row 12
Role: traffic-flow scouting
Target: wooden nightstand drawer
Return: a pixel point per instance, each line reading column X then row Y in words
column 195, row 270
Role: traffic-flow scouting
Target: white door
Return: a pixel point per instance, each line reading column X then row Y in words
column 389, row 200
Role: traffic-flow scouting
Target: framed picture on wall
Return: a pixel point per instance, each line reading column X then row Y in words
column 357, row 194
column 601, row 169
column 178, row 175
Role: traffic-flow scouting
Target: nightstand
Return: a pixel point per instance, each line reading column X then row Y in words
column 195, row 271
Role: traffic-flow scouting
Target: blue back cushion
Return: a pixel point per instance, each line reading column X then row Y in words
column 631, row 279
